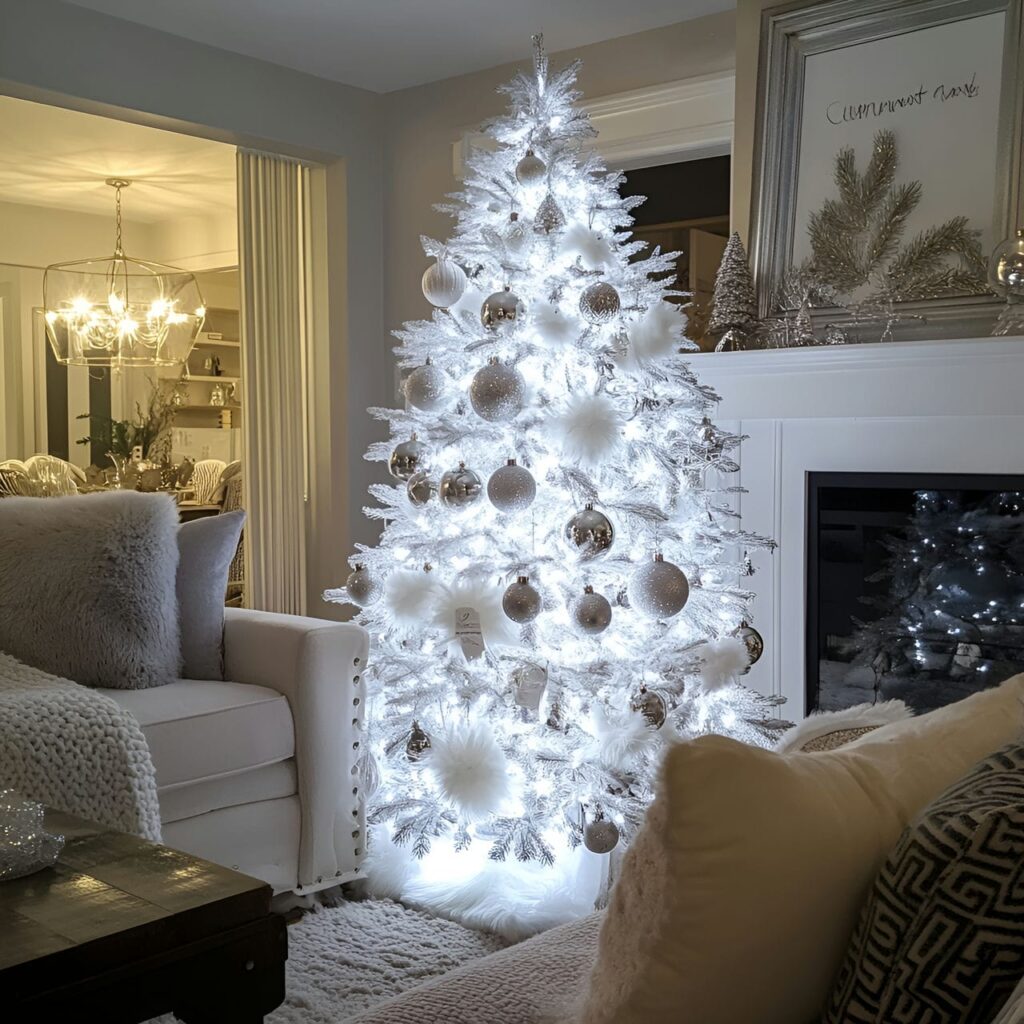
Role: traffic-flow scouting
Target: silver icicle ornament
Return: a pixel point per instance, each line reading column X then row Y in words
column 497, row 391
column 500, row 309
column 591, row 613
column 459, row 487
column 658, row 588
column 599, row 303
column 521, row 602
column 589, row 534
column 406, row 459
column 511, row 488
column 363, row 589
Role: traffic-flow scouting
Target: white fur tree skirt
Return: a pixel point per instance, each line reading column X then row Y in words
column 344, row 960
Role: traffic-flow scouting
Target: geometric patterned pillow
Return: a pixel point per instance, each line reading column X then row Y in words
column 941, row 939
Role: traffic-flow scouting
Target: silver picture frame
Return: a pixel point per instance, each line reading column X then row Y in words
column 788, row 37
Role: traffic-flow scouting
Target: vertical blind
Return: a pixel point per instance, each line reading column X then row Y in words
column 273, row 237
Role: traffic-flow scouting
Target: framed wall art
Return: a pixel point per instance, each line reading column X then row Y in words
column 888, row 163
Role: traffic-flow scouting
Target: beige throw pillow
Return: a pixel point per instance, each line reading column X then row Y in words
column 739, row 895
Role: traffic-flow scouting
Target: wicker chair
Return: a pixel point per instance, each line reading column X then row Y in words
column 206, row 480
column 236, row 572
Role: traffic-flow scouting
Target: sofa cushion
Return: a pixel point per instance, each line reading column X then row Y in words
column 941, row 938
column 87, row 587
column 739, row 894
column 206, row 547
column 200, row 796
column 200, row 728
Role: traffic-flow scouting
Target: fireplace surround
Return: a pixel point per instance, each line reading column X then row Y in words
column 920, row 407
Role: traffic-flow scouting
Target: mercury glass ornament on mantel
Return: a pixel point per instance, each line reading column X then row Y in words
column 1006, row 276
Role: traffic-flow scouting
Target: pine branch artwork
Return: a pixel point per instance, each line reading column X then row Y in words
column 559, row 593
column 859, row 257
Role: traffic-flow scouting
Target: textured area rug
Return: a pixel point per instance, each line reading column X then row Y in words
column 346, row 959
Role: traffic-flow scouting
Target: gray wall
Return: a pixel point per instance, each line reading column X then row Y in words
column 56, row 52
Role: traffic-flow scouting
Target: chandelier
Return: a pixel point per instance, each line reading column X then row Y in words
column 117, row 311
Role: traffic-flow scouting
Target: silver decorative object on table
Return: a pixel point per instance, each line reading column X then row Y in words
column 459, row 487
column 406, row 459
column 521, row 602
column 599, row 303
column 589, row 534
column 591, row 613
column 511, row 488
column 659, row 588
column 497, row 391
column 25, row 845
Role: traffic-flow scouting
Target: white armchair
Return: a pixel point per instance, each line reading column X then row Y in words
column 258, row 772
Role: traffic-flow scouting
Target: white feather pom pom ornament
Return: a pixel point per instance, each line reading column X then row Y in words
column 470, row 770
column 589, row 429
column 410, row 597
column 619, row 736
column 593, row 248
column 552, row 326
column 482, row 595
column 724, row 661
column 658, row 332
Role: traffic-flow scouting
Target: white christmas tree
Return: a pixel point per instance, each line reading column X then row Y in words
column 734, row 302
column 559, row 590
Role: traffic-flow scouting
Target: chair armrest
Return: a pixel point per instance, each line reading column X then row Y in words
column 318, row 665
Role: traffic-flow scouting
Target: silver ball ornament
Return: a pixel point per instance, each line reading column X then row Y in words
column 600, row 835
column 589, row 534
column 443, row 283
column 752, row 640
column 591, row 613
column 651, row 705
column 659, row 588
column 1006, row 267
column 459, row 487
column 500, row 308
column 426, row 387
column 406, row 459
column 420, row 488
column 418, row 743
column 599, row 303
column 511, row 488
column 521, row 602
column 363, row 589
column 530, row 169
column 497, row 392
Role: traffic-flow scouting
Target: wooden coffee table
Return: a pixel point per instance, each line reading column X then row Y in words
column 121, row 930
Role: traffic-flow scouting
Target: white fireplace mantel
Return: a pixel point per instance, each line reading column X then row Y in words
column 943, row 406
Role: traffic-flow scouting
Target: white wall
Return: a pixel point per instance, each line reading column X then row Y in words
column 56, row 52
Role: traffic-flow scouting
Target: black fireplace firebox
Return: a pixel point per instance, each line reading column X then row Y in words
column 915, row 586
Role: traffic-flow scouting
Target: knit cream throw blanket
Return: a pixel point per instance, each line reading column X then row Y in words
column 75, row 749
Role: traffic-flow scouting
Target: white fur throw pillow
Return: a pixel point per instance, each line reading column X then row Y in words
column 87, row 587
column 738, row 896
column 827, row 730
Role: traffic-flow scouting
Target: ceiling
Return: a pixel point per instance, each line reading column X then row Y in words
column 384, row 45
column 59, row 158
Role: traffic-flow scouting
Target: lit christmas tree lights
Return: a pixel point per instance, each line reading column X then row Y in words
column 560, row 588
